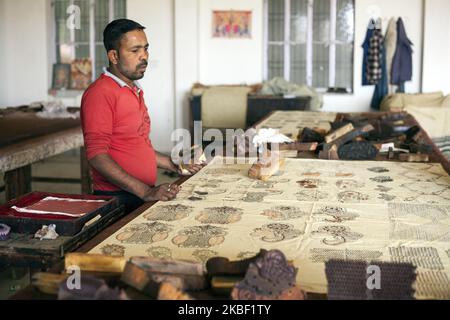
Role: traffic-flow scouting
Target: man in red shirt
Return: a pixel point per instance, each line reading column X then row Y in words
column 116, row 125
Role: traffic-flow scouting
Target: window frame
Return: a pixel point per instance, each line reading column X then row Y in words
column 287, row 43
column 92, row 43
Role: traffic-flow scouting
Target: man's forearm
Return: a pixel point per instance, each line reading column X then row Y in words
column 109, row 169
column 164, row 162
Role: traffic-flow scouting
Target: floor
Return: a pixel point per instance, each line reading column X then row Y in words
column 66, row 165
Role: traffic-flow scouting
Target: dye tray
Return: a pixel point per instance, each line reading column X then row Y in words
column 29, row 223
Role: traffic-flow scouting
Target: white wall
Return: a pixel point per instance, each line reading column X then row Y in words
column 436, row 62
column 411, row 13
column 186, row 56
column 24, row 75
column 230, row 61
column 158, row 82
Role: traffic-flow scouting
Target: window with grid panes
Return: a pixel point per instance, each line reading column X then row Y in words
column 310, row 42
column 87, row 41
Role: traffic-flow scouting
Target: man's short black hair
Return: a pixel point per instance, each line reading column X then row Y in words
column 115, row 30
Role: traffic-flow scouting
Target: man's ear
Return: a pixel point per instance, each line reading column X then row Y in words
column 113, row 56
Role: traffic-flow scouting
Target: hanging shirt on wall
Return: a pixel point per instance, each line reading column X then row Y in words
column 365, row 47
column 402, row 63
column 375, row 55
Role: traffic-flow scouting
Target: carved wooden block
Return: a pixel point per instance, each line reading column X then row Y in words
column 223, row 266
column 146, row 275
column 339, row 133
column 270, row 277
column 414, row 157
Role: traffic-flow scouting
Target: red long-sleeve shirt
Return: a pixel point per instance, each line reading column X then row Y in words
column 115, row 121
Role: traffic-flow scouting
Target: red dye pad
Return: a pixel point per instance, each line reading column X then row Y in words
column 61, row 206
column 68, row 212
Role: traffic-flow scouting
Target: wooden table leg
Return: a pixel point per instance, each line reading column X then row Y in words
column 17, row 182
column 86, row 183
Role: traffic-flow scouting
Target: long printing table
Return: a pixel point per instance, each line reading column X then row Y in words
column 291, row 123
column 315, row 210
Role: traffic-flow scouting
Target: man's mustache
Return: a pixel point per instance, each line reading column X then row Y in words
column 143, row 64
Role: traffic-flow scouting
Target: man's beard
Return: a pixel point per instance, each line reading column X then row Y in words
column 137, row 74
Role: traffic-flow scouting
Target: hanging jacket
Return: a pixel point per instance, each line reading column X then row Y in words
column 390, row 43
column 402, row 63
column 365, row 47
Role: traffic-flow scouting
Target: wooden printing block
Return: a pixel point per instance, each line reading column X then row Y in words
column 348, row 280
column 329, row 153
column 361, row 150
column 95, row 262
column 414, row 157
column 298, row 146
column 344, row 139
column 167, row 291
column 223, row 285
column 417, row 147
column 309, row 135
column 223, row 266
column 353, row 134
column 266, row 168
column 270, row 277
column 48, row 282
column 146, row 275
column 339, row 133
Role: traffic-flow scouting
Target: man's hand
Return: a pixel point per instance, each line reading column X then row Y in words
column 189, row 169
column 164, row 192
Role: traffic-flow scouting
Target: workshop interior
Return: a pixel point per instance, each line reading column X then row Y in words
column 224, row 150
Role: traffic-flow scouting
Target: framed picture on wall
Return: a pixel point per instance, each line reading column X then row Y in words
column 61, row 76
column 232, row 24
column 80, row 74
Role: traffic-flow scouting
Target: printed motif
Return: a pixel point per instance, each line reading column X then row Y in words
column 378, row 169
column 310, row 183
column 352, row 197
column 284, row 213
column 204, row 255
column 275, row 232
column 200, row 237
column 386, row 197
column 113, row 250
column 336, row 214
column 319, row 255
column 144, row 233
column 433, row 284
column 311, row 195
column 162, row 253
column 259, row 196
column 220, row 215
column 349, row 184
column 382, row 179
column 339, row 235
column 425, row 257
column 168, row 212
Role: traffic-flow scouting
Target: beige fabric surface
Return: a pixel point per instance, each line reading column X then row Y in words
column 398, row 101
column 435, row 120
column 224, row 107
column 313, row 211
column 291, row 122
